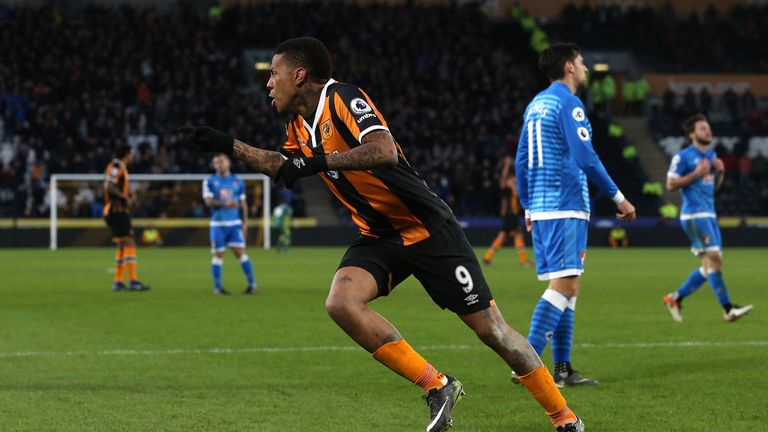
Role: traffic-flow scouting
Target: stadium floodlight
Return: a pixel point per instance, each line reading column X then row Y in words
column 55, row 178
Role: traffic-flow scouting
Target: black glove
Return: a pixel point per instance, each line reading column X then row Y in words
column 297, row 167
column 208, row 139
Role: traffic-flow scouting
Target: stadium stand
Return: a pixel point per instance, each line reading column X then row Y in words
column 731, row 42
column 454, row 103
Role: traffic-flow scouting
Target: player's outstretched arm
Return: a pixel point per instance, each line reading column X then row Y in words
column 264, row 161
column 210, row 140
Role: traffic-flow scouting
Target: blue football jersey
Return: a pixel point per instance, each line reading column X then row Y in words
column 230, row 188
column 699, row 196
column 555, row 157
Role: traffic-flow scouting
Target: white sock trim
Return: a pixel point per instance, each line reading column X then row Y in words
column 555, row 299
column 217, row 261
column 244, row 258
column 702, row 271
column 572, row 303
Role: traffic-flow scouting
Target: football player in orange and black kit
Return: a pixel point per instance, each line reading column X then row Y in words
column 510, row 216
column 336, row 131
column 117, row 206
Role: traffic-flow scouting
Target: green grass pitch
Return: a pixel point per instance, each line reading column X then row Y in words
column 75, row 356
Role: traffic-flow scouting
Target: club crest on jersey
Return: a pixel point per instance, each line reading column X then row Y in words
column 583, row 133
column 359, row 106
column 326, row 129
column 578, row 114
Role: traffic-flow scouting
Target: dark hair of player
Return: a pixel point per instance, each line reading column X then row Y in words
column 552, row 60
column 122, row 150
column 689, row 125
column 308, row 53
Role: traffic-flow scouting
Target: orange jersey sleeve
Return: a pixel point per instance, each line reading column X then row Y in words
column 356, row 110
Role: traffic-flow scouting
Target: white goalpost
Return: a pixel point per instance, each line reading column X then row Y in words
column 55, row 178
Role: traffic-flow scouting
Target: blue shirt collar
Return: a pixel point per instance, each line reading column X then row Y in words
column 560, row 86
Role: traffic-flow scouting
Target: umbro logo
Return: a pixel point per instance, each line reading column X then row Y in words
column 299, row 163
column 471, row 299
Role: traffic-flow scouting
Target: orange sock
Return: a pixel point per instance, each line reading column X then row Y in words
column 402, row 359
column 541, row 386
column 119, row 267
column 496, row 245
column 520, row 246
column 130, row 262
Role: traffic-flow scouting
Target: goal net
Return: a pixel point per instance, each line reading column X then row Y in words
column 163, row 200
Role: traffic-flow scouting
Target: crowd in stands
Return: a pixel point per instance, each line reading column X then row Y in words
column 664, row 41
column 74, row 83
column 739, row 121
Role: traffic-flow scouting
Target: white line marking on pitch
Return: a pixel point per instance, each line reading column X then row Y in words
column 134, row 352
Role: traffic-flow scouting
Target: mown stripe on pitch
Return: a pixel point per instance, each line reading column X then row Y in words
column 182, row 351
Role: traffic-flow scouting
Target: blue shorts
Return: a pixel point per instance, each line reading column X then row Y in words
column 704, row 234
column 223, row 237
column 560, row 246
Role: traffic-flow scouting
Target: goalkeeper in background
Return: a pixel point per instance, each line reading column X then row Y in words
column 118, row 200
column 224, row 194
column 282, row 218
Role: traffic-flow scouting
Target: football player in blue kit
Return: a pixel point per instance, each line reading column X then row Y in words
column 555, row 158
column 697, row 173
column 224, row 194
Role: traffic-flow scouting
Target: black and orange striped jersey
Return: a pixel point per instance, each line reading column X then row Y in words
column 509, row 200
column 389, row 203
column 117, row 174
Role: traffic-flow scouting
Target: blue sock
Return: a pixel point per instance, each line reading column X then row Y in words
column 562, row 340
column 216, row 264
column 695, row 280
column 245, row 263
column 545, row 318
column 718, row 286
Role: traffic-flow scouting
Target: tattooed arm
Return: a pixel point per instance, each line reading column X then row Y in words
column 264, row 161
column 377, row 149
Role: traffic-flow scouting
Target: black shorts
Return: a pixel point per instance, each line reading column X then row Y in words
column 120, row 224
column 510, row 222
column 444, row 263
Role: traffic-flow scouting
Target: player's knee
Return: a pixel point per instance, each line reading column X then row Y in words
column 715, row 262
column 492, row 332
column 338, row 306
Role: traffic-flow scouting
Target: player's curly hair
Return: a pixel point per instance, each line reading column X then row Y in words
column 553, row 59
column 689, row 125
column 310, row 54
